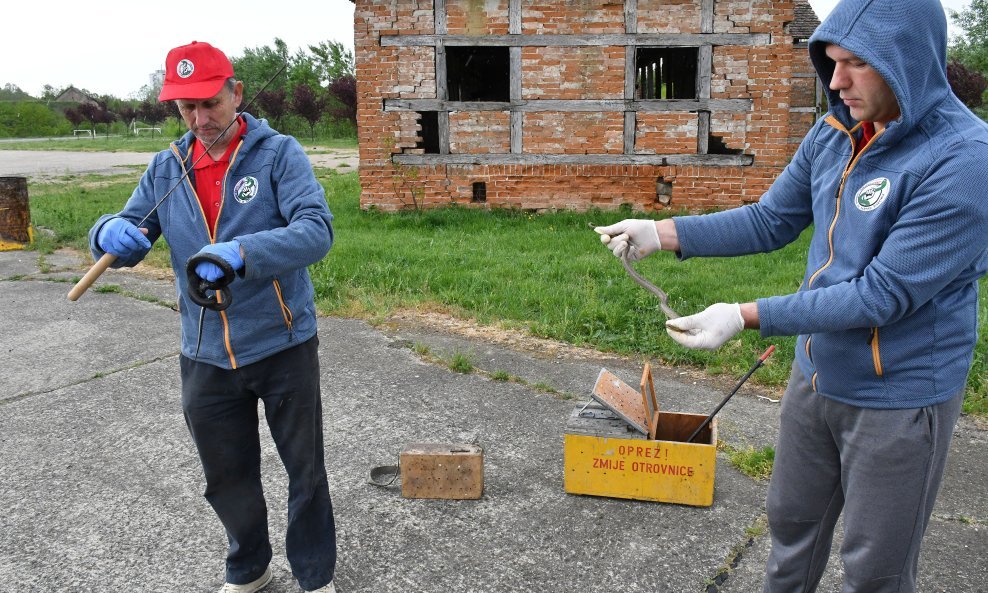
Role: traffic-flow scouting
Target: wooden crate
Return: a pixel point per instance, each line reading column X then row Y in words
column 604, row 456
column 433, row 470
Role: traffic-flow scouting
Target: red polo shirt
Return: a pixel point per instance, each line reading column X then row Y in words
column 210, row 174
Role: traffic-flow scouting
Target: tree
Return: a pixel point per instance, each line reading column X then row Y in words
column 12, row 92
column 127, row 114
column 969, row 85
column 307, row 105
column 344, row 91
column 274, row 105
column 153, row 112
column 971, row 48
column 258, row 65
column 74, row 117
column 331, row 61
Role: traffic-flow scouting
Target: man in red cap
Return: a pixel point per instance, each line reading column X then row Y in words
column 250, row 211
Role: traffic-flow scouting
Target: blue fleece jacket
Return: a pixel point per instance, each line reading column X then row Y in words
column 887, row 313
column 273, row 205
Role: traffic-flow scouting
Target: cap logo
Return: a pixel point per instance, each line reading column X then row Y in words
column 872, row 194
column 185, row 68
column 245, row 189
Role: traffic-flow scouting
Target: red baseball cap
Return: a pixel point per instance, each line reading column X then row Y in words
column 195, row 71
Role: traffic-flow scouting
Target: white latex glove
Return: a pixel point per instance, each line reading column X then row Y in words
column 636, row 237
column 709, row 329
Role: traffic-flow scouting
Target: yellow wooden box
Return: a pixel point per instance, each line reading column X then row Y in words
column 604, row 456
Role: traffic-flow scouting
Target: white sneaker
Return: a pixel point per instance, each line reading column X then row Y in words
column 250, row 587
column 330, row 588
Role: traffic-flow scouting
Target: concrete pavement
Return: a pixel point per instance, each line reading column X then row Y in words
column 100, row 486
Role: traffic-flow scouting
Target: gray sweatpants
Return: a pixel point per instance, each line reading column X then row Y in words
column 881, row 467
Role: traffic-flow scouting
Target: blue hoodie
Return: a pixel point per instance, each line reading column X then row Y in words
column 887, row 313
column 273, row 205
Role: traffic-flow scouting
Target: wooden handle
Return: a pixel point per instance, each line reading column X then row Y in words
column 94, row 272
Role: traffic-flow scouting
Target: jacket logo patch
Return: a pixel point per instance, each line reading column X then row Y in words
column 245, row 190
column 872, row 194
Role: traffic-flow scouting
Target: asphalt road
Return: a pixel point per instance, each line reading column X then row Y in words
column 100, row 487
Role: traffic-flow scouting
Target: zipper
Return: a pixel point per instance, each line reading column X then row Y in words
column 835, row 123
column 876, row 356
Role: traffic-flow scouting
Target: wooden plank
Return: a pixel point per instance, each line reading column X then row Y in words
column 575, row 105
column 620, row 398
column 707, row 160
column 651, row 39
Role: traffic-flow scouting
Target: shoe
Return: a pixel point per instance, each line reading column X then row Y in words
column 330, row 588
column 250, row 587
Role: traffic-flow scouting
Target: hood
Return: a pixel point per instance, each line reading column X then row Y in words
column 257, row 130
column 906, row 42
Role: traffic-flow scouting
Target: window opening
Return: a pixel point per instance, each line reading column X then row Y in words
column 715, row 145
column 479, row 192
column 478, row 73
column 428, row 138
column 663, row 191
column 666, row 72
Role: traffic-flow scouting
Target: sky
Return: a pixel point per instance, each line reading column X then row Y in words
column 111, row 47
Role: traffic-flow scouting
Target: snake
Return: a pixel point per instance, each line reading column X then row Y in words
column 641, row 281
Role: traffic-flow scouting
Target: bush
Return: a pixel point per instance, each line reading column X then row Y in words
column 969, row 85
column 26, row 119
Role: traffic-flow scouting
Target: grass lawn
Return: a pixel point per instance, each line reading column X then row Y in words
column 546, row 274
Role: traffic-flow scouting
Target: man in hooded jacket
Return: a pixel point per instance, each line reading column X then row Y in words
column 250, row 202
column 893, row 179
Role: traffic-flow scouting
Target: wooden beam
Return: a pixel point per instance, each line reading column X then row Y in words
column 603, row 105
column 704, row 71
column 630, row 125
column 707, row 16
column 514, row 17
column 630, row 73
column 443, row 117
column 712, row 160
column 439, row 13
column 631, row 16
column 517, row 131
column 703, row 132
column 517, row 118
column 652, row 40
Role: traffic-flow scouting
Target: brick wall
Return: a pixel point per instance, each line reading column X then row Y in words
column 399, row 75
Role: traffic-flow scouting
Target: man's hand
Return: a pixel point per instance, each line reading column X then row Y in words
column 635, row 237
column 229, row 251
column 708, row 329
column 120, row 237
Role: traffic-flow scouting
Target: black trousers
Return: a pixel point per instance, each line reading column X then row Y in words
column 220, row 407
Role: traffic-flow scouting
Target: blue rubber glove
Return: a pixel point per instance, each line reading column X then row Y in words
column 122, row 238
column 230, row 251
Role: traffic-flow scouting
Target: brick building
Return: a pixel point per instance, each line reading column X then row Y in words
column 541, row 104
